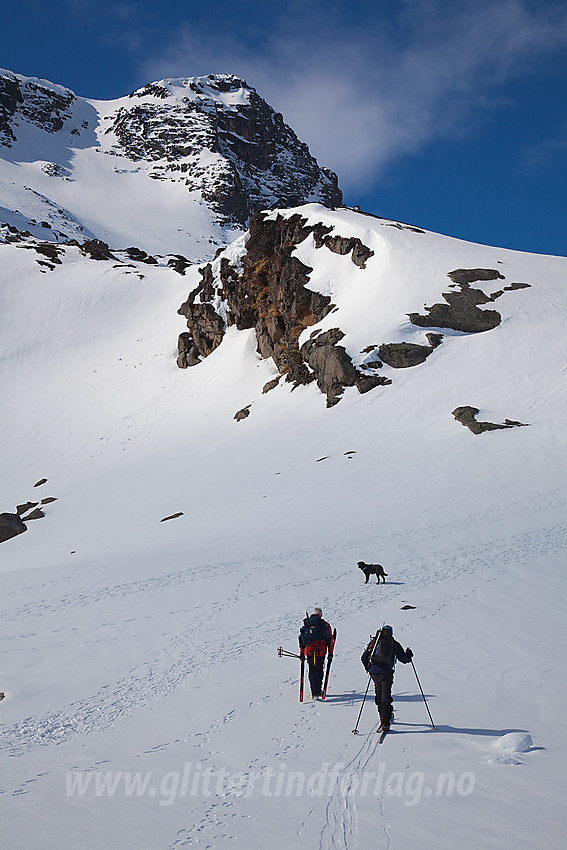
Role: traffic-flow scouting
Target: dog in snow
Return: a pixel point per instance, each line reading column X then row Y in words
column 372, row 570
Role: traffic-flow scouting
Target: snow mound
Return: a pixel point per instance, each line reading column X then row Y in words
column 514, row 742
column 510, row 746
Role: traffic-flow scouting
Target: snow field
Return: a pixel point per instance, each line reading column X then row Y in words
column 139, row 648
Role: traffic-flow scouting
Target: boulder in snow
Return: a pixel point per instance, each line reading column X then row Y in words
column 10, row 526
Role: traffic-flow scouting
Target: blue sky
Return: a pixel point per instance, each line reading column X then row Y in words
column 449, row 115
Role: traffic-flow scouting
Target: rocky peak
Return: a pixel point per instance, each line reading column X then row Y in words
column 214, row 136
column 219, row 137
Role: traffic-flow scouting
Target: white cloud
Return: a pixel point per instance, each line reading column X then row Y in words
column 365, row 88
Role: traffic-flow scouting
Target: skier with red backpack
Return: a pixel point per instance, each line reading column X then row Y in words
column 316, row 638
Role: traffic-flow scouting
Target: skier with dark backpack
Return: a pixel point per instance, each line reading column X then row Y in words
column 315, row 639
column 379, row 659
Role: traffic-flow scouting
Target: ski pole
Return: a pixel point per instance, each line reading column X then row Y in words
column 355, row 730
column 283, row 653
column 372, row 645
column 422, row 694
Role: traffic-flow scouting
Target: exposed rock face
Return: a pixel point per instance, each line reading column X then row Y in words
column 207, row 331
column 466, row 415
column 10, row 526
column 31, row 101
column 219, row 136
column 10, row 97
column 270, row 293
column 330, row 363
column 334, row 369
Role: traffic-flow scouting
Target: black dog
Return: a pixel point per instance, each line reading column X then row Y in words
column 372, row 570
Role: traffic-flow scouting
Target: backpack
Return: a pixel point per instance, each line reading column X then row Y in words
column 313, row 629
column 383, row 652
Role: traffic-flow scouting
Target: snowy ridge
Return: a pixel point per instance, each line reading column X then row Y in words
column 195, row 156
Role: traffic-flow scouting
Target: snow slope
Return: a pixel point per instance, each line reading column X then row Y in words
column 145, row 702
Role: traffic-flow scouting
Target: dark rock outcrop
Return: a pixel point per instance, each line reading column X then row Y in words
column 271, row 294
column 178, row 263
column 271, row 385
column 243, row 413
column 207, row 331
column 403, row 355
column 365, row 383
column 140, row 256
column 331, row 364
column 96, row 249
column 27, row 506
column 45, row 106
column 466, row 415
column 10, row 98
column 463, row 277
column 461, row 312
column 49, row 250
column 342, row 245
column 10, row 526
column 37, row 513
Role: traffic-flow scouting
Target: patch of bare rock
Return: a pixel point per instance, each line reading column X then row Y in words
column 466, row 415
column 13, row 524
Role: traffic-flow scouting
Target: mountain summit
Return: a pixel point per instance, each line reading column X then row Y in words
column 204, row 151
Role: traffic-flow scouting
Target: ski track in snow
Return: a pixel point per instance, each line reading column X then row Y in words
column 340, row 829
column 181, row 660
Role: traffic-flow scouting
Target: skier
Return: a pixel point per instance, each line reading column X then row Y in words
column 379, row 659
column 315, row 638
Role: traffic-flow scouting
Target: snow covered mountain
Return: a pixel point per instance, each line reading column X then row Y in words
column 186, row 518
column 194, row 156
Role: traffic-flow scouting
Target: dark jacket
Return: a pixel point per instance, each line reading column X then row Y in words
column 377, row 669
column 316, row 648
